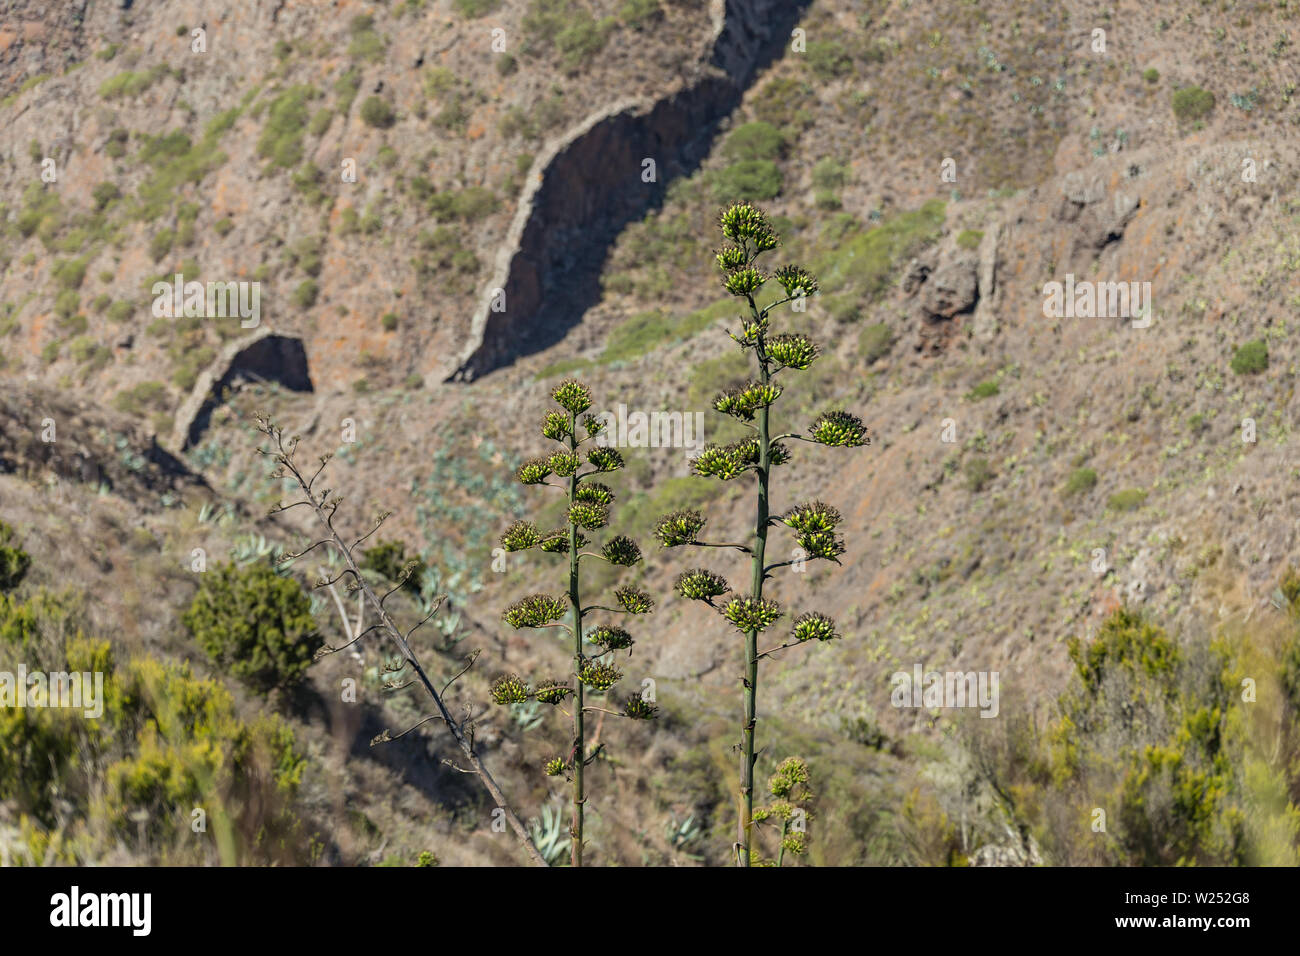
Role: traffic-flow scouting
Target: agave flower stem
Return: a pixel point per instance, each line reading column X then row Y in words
column 579, row 737
column 779, row 647
column 763, row 471
column 709, row 544
column 601, row 710
column 785, row 831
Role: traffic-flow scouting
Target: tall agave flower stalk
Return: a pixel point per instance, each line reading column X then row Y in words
column 747, row 236
column 594, row 672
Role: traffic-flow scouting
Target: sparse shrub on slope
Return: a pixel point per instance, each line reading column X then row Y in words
column 14, row 561
column 1160, row 753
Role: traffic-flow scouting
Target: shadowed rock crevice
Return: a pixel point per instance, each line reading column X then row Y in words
column 588, row 186
column 263, row 356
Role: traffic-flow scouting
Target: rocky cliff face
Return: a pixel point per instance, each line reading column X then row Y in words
column 609, row 171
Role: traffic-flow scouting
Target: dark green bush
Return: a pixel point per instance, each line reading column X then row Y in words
column 378, row 113
column 254, row 624
column 757, row 140
column 751, row 179
column 1192, row 103
column 1130, row 499
column 1080, row 482
column 1251, row 358
column 14, row 561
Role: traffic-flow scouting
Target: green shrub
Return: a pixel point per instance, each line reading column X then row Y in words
column 119, row 311
column 306, row 294
column 14, row 561
column 1080, row 482
column 129, row 85
column 473, row 9
column 366, row 43
column 378, row 113
column 829, row 59
column 116, row 145
column 1130, row 499
column 105, row 193
column 1251, row 358
column 874, row 342
column 320, row 122
column 868, row 262
column 969, row 239
column 637, row 13
column 978, row 474
column 757, row 140
column 389, row 321
column 69, row 273
column 66, row 304
column 1192, row 103
column 582, row 39
column 389, row 559
column 254, row 624
column 161, row 243
column 286, row 120
column 1151, row 75
column 753, row 179
column 346, row 88
column 985, row 389
column 144, row 396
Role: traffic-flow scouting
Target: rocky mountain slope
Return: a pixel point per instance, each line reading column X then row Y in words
column 937, row 165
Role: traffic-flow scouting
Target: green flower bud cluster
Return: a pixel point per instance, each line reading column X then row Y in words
column 792, row 350
column 598, row 675
column 822, row 544
column 509, row 689
column 748, row 615
column 534, row 471
column 731, row 258
column 634, row 600
column 812, row 517
column 564, row 463
column 521, row 536
column 621, row 551
column 556, row 426
column 586, row 514
column 678, row 528
column 700, row 585
column 572, row 396
column 610, row 637
column 557, row 541
column 744, row 401
column 554, row 767
column 742, row 222
column 744, row 282
column 640, row 709
column 605, row 459
column 595, row 493
column 536, row 610
column 796, row 280
column 812, row 626
column 792, row 772
column 552, row 691
column 839, row 429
